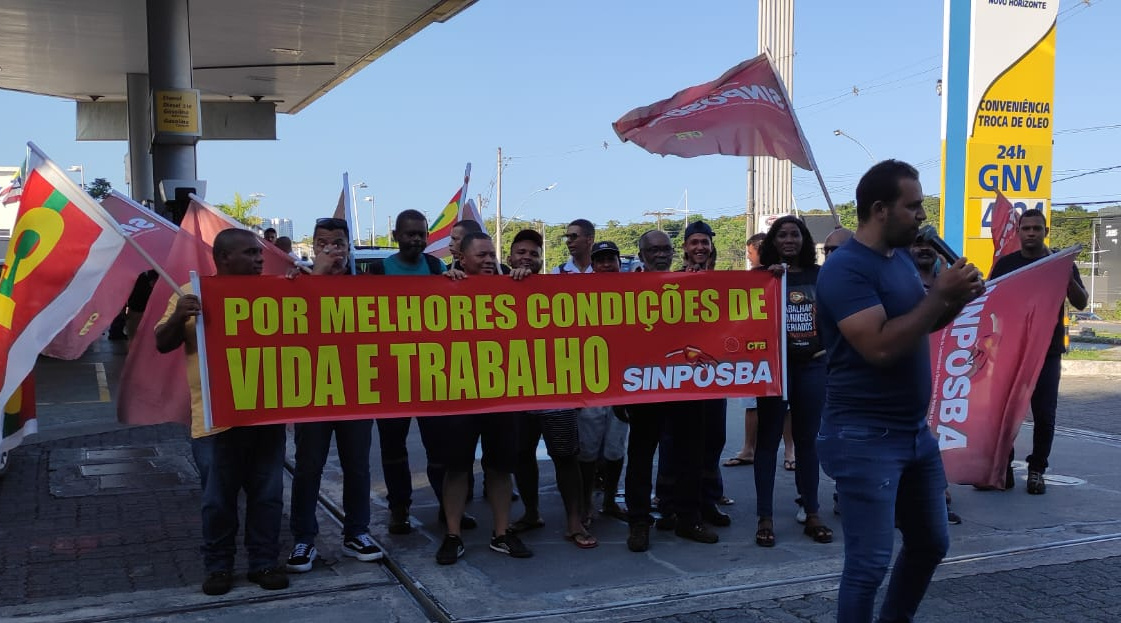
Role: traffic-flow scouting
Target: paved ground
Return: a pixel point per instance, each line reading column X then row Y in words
column 100, row 523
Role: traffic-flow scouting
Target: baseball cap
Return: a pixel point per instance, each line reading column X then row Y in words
column 604, row 247
column 528, row 234
column 699, row 227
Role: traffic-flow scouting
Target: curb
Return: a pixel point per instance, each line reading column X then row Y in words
column 1091, row 368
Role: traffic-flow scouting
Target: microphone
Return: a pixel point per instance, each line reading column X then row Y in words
column 929, row 235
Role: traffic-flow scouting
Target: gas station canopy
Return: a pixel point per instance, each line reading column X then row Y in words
column 284, row 52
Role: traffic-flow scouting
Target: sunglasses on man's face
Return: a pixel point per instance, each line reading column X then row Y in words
column 331, row 223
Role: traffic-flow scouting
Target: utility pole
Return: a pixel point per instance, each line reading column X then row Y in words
column 749, row 226
column 498, row 205
column 544, row 242
column 658, row 214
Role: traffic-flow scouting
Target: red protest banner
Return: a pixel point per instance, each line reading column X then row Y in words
column 345, row 347
column 985, row 365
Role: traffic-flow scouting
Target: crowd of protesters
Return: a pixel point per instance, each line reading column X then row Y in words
column 859, row 384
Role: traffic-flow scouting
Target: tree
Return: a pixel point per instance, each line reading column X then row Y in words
column 243, row 210
column 99, row 188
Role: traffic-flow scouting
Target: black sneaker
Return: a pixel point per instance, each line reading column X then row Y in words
column 952, row 518
column 1036, row 485
column 399, row 521
column 303, row 554
column 218, row 583
column 270, row 579
column 1009, row 478
column 697, row 532
column 639, row 538
column 510, row 545
column 450, row 550
column 361, row 547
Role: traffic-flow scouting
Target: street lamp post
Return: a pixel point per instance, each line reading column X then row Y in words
column 498, row 226
column 848, row 136
column 77, row 168
column 256, row 199
column 373, row 220
column 356, row 234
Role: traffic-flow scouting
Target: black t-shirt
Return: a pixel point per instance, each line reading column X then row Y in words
column 802, row 338
column 1013, row 261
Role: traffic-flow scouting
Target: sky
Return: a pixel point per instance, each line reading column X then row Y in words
column 544, row 81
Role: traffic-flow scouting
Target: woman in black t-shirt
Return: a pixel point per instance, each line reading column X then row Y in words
column 789, row 248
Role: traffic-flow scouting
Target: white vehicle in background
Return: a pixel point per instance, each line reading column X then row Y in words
column 364, row 256
column 8, row 209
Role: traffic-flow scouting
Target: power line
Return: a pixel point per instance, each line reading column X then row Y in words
column 1095, row 171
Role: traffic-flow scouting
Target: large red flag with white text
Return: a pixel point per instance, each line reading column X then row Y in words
column 152, row 233
column 985, row 366
column 745, row 112
column 154, row 385
column 61, row 247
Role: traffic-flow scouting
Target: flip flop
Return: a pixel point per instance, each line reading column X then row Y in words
column 583, row 540
column 736, row 461
column 789, row 465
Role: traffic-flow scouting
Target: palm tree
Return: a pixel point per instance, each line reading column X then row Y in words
column 242, row 209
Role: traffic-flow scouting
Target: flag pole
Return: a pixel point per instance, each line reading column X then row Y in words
column 802, row 139
column 348, row 209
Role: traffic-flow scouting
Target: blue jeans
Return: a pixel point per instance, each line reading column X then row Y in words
column 249, row 458
column 807, row 397
column 313, row 442
column 883, row 477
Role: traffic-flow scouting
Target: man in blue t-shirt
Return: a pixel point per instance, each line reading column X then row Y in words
column 874, row 442
column 411, row 234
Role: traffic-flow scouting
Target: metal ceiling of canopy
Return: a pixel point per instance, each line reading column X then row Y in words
column 289, row 52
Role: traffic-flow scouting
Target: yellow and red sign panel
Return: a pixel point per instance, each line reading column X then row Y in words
column 1002, row 91
column 346, row 347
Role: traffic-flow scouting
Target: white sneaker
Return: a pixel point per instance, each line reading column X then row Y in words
column 800, row 516
column 303, row 554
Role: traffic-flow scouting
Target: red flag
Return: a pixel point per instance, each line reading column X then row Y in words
column 61, row 247
column 154, row 386
column 745, row 112
column 1006, row 223
column 986, row 364
column 149, row 231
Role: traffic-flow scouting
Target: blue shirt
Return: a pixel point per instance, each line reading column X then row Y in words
column 895, row 396
column 394, row 266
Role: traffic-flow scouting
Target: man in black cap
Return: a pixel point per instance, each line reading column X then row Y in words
column 698, row 247
column 602, row 435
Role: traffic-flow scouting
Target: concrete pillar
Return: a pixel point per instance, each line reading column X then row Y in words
column 139, row 139
column 771, row 186
column 169, row 67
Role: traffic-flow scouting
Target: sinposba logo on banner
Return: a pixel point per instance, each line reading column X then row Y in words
column 1011, row 86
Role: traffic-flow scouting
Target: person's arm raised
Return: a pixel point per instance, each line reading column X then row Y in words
column 882, row 341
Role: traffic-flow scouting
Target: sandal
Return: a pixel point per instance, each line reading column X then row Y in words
column 816, row 530
column 736, row 461
column 765, row 535
column 789, row 465
column 583, row 540
column 526, row 524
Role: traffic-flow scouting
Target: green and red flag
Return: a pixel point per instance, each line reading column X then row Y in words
column 440, row 229
column 62, row 245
